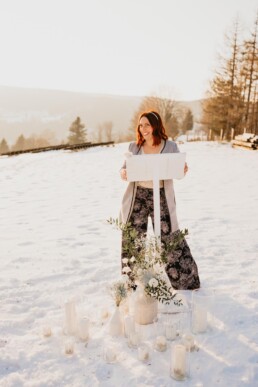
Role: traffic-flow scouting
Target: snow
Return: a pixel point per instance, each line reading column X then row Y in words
column 55, row 244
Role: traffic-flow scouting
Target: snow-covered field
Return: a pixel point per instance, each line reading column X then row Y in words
column 55, row 244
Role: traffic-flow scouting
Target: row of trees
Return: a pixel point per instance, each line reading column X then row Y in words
column 232, row 100
column 23, row 143
column 77, row 135
column 78, row 132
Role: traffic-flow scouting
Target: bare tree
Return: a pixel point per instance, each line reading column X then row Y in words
column 163, row 103
column 250, row 74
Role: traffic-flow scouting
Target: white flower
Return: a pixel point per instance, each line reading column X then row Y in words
column 132, row 259
column 126, row 270
column 153, row 282
column 125, row 260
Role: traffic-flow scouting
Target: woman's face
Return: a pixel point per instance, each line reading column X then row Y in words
column 145, row 128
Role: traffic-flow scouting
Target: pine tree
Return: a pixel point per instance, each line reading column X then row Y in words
column 4, row 148
column 78, row 133
column 20, row 144
column 188, row 121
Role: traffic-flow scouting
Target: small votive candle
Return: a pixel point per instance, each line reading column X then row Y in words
column 129, row 325
column 69, row 347
column 189, row 343
column 143, row 353
column 83, row 328
column 133, row 340
column 109, row 354
column 179, row 366
column 160, row 343
column 46, row 331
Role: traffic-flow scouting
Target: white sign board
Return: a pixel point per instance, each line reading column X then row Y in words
column 163, row 166
column 155, row 167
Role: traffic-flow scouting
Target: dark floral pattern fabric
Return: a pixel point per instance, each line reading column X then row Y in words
column 181, row 268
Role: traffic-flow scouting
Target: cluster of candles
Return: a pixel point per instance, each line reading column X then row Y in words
column 73, row 326
column 167, row 331
column 179, row 364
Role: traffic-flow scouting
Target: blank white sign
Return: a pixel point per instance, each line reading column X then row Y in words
column 158, row 166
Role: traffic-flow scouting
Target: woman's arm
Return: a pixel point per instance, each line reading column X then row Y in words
column 122, row 171
column 123, row 174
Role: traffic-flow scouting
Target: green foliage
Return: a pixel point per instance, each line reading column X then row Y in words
column 119, row 291
column 146, row 259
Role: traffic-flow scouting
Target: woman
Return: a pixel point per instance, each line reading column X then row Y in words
column 137, row 202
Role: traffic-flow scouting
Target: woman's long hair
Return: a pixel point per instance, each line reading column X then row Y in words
column 156, row 123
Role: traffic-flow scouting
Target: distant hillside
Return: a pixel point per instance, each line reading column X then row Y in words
column 34, row 111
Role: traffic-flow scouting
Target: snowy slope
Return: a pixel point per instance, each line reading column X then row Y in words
column 55, row 244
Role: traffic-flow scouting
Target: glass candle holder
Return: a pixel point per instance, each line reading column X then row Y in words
column 133, row 340
column 129, row 326
column 179, row 362
column 160, row 343
column 83, row 328
column 202, row 304
column 69, row 347
column 189, row 342
column 171, row 329
column 109, row 354
column 70, row 325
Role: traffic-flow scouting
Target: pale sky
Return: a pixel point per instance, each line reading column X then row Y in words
column 125, row 47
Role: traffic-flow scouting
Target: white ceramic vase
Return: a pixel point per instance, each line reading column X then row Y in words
column 145, row 308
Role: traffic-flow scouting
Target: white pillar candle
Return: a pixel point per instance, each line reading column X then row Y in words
column 170, row 331
column 200, row 319
column 179, row 362
column 70, row 317
column 129, row 325
column 83, row 328
column 161, row 343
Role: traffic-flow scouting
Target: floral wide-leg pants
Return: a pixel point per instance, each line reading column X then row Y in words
column 181, row 268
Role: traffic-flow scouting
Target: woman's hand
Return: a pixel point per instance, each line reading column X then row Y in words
column 185, row 168
column 123, row 174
